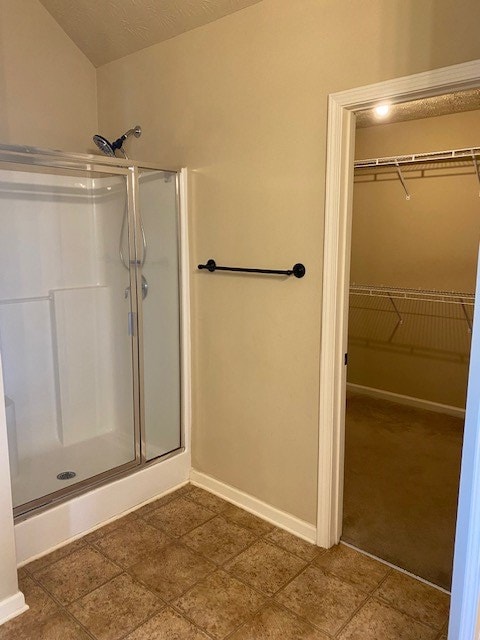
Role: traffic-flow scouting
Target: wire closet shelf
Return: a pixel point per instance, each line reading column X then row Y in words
column 424, row 295
column 471, row 154
column 434, row 158
column 462, row 299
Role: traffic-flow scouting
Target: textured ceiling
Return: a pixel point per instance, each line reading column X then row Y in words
column 109, row 29
column 426, row 108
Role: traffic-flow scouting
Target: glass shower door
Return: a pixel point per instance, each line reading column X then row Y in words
column 66, row 325
column 160, row 312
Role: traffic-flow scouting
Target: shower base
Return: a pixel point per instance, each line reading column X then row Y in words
column 37, row 477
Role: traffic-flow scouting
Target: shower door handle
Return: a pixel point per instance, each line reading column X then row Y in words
column 131, row 323
column 144, row 289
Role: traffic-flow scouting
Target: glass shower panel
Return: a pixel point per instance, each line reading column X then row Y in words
column 64, row 339
column 161, row 313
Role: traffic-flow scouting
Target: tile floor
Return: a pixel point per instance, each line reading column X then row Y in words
column 190, row 566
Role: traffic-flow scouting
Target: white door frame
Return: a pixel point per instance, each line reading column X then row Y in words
column 336, row 268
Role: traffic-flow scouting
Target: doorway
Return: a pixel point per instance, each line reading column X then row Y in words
column 415, row 234
column 466, row 583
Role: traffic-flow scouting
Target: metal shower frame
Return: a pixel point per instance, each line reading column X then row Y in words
column 36, row 159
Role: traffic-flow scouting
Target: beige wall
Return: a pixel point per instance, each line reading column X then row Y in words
column 428, row 242
column 242, row 102
column 47, row 86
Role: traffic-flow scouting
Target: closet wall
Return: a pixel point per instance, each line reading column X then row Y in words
column 427, row 242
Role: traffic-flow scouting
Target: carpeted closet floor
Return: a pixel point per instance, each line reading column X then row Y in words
column 402, row 469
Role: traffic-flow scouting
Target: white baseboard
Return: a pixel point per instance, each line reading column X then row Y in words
column 275, row 516
column 66, row 522
column 12, row 607
column 407, row 400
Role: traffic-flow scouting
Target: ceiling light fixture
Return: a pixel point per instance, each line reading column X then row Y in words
column 382, row 110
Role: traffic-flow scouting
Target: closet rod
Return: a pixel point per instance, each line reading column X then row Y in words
column 417, row 158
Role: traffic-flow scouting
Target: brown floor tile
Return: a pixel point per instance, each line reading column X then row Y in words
column 265, row 567
column 38, row 599
column 167, row 625
column 128, row 544
column 108, row 528
column 321, row 599
column 352, row 566
column 183, row 490
column 58, row 626
column 141, row 512
column 116, row 608
column 377, row 620
column 179, row 516
column 172, row 570
column 207, row 500
column 247, row 520
column 419, row 600
column 219, row 604
column 41, row 607
column 50, row 558
column 22, row 573
column 219, row 540
column 293, row 544
column 274, row 623
column 76, row 575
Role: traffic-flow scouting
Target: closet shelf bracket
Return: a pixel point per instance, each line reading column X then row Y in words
column 467, row 317
column 399, row 315
column 402, row 180
column 477, row 170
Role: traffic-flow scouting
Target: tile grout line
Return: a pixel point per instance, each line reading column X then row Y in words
column 219, row 565
column 191, row 586
column 372, row 595
column 64, row 609
column 135, row 581
column 49, row 564
column 364, row 603
column 93, row 548
column 271, row 599
column 404, row 613
column 177, row 609
column 315, row 626
column 395, row 567
column 357, row 610
column 167, row 532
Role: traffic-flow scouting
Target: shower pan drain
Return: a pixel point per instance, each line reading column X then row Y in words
column 66, row 475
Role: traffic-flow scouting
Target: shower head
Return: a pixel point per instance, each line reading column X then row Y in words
column 104, row 145
column 109, row 148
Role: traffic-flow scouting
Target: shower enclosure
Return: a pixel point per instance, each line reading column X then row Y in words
column 89, row 320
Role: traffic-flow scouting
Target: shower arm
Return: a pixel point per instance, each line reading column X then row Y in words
column 118, row 144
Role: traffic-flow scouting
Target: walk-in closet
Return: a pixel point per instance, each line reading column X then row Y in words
column 414, row 251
